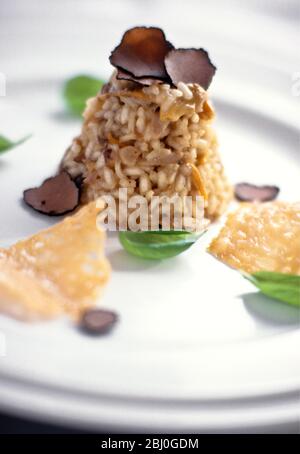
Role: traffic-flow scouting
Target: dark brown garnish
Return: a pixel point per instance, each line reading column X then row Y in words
column 97, row 321
column 246, row 192
column 190, row 66
column 79, row 181
column 57, row 195
column 146, row 57
column 124, row 75
column 141, row 53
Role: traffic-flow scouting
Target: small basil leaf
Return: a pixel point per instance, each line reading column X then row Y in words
column 283, row 287
column 6, row 144
column 78, row 89
column 157, row 245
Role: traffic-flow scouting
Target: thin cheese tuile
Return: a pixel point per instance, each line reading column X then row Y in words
column 261, row 237
column 59, row 270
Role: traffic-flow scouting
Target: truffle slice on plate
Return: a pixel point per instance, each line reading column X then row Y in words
column 56, row 196
column 246, row 192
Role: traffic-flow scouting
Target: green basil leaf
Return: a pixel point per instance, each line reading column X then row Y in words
column 157, row 245
column 283, row 287
column 6, row 144
column 78, row 89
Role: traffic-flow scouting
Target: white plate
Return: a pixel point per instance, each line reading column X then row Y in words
column 196, row 348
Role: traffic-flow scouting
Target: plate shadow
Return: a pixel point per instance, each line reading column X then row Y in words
column 122, row 261
column 270, row 310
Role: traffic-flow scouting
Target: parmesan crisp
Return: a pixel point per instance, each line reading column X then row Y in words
column 59, row 270
column 261, row 237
